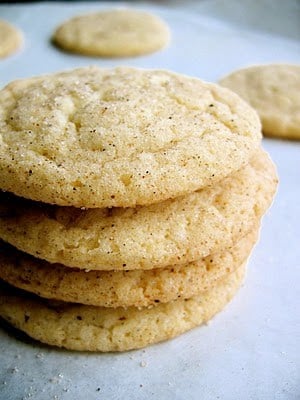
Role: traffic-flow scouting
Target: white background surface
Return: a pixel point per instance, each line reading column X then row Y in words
column 252, row 349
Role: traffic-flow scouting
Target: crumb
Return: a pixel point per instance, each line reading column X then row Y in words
column 56, row 379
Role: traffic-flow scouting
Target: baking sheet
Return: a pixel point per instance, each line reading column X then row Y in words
column 252, row 349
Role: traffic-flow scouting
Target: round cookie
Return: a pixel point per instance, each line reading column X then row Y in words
column 121, row 288
column 174, row 232
column 10, row 39
column 113, row 33
column 120, row 137
column 89, row 328
column 274, row 91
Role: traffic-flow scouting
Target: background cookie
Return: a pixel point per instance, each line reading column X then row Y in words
column 170, row 233
column 121, row 288
column 89, row 328
column 274, row 91
column 113, row 33
column 10, row 39
column 120, row 137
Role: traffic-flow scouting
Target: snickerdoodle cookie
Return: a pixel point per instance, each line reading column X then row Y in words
column 113, row 33
column 139, row 288
column 123, row 137
column 274, row 91
column 90, row 328
column 11, row 39
column 173, row 232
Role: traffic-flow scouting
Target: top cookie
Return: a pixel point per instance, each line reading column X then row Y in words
column 274, row 91
column 10, row 39
column 120, row 137
column 113, row 33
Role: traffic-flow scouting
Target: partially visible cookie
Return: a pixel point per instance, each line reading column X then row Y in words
column 274, row 91
column 89, row 328
column 113, row 33
column 173, row 232
column 10, row 39
column 121, row 288
column 122, row 137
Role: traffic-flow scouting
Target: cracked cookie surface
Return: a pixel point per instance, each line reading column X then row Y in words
column 120, row 137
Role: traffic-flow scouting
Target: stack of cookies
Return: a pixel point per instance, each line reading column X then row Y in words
column 131, row 200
